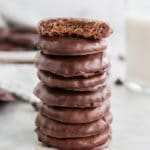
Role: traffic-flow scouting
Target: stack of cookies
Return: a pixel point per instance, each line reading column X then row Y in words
column 73, row 69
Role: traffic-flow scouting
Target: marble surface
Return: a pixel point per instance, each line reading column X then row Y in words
column 131, row 125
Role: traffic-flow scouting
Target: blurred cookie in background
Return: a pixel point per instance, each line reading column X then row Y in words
column 25, row 40
column 14, row 37
column 4, row 32
column 5, row 46
column 23, row 29
column 6, row 96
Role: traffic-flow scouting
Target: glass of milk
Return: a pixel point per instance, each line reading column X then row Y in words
column 137, row 31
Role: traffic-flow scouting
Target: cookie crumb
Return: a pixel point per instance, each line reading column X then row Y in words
column 121, row 57
column 118, row 82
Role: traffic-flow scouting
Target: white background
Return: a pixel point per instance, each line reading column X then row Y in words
column 33, row 10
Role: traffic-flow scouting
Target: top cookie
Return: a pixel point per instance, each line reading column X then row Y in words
column 74, row 27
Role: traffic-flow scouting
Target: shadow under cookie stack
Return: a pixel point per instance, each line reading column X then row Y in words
column 73, row 68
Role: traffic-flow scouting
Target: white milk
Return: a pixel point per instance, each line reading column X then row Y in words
column 138, row 48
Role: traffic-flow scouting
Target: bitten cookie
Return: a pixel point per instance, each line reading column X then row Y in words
column 74, row 27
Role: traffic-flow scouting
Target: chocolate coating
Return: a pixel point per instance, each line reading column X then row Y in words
column 11, row 47
column 61, row 130
column 64, row 98
column 75, row 143
column 100, row 148
column 74, row 83
column 70, row 46
column 16, row 28
column 26, row 39
column 72, row 66
column 4, row 33
column 76, row 115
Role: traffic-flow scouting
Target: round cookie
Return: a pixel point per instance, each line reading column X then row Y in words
column 11, row 47
column 26, row 39
column 4, row 33
column 73, row 83
column 64, row 98
column 17, row 28
column 72, row 66
column 74, row 27
column 75, row 115
column 70, row 46
column 61, row 130
column 75, row 143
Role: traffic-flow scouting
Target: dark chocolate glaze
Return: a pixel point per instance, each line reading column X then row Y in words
column 73, row 65
column 70, row 46
column 4, row 33
column 74, row 83
column 76, row 143
column 62, row 130
column 76, row 115
column 26, row 39
column 73, row 99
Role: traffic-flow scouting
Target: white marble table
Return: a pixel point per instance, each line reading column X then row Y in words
column 131, row 125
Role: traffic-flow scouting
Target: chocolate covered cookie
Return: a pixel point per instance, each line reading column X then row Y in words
column 26, row 39
column 64, row 130
column 73, row 83
column 16, row 28
column 73, row 99
column 75, row 115
column 70, row 46
column 87, row 65
column 75, row 143
column 74, row 27
column 5, row 46
column 4, row 32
